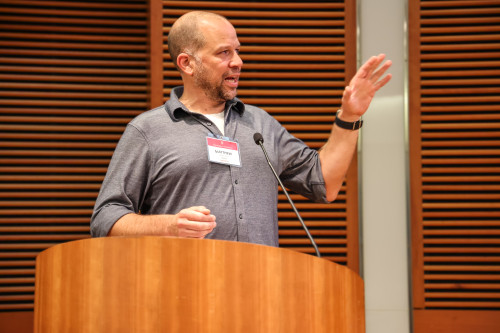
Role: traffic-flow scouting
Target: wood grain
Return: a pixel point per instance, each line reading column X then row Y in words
column 159, row 284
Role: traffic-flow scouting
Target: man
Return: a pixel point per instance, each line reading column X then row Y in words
column 160, row 180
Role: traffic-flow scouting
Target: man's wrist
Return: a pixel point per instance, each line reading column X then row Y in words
column 355, row 125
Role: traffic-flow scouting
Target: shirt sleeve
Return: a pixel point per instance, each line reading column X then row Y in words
column 125, row 184
column 300, row 167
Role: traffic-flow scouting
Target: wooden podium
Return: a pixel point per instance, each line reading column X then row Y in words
column 161, row 284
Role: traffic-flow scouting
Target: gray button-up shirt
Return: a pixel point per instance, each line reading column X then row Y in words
column 161, row 166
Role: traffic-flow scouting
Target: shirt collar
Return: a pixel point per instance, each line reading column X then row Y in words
column 176, row 109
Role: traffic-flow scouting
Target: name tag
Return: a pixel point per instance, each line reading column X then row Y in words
column 223, row 151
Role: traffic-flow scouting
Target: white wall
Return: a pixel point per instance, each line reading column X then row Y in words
column 383, row 185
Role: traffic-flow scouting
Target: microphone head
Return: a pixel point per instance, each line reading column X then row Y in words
column 257, row 137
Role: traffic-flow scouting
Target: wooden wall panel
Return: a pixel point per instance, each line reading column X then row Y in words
column 72, row 74
column 297, row 59
column 455, row 158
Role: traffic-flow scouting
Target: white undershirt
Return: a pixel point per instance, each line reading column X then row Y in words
column 217, row 119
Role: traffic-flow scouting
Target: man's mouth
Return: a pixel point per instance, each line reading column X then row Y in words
column 232, row 80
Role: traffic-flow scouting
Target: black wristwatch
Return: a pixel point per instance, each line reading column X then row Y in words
column 347, row 125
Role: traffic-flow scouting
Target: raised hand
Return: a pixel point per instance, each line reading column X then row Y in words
column 363, row 86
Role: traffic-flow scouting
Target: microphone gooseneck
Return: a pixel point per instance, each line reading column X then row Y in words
column 259, row 140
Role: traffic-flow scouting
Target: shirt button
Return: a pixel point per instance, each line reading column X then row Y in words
column 241, row 216
column 236, row 181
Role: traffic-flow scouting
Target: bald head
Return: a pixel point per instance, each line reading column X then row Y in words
column 186, row 34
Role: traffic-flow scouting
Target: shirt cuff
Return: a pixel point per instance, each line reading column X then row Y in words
column 104, row 219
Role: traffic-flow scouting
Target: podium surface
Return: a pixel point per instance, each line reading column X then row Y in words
column 162, row 284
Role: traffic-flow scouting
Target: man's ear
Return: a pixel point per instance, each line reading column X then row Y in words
column 185, row 64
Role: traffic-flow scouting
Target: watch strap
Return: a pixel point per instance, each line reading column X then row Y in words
column 346, row 124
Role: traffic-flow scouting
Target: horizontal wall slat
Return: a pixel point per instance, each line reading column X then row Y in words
column 76, row 46
column 461, row 223
column 465, row 250
column 75, row 13
column 67, row 29
column 471, row 11
column 449, row 21
column 255, row 5
column 462, row 304
column 464, row 259
column 278, row 14
column 462, row 277
column 471, row 295
column 15, row 16
column 465, row 286
column 75, row 4
column 457, row 3
column 462, row 268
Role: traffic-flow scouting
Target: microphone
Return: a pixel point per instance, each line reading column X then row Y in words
column 259, row 140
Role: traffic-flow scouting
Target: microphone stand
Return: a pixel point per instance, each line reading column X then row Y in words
column 260, row 141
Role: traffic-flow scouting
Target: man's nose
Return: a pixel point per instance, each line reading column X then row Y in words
column 236, row 60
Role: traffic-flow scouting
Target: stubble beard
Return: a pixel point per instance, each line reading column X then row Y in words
column 215, row 92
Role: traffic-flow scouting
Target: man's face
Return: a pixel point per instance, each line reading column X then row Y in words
column 217, row 64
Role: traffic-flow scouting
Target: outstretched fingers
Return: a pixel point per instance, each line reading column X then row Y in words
column 370, row 69
column 379, row 72
column 382, row 82
column 369, row 78
column 367, row 69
